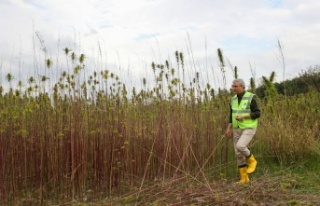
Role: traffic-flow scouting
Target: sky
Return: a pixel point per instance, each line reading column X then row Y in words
column 126, row 36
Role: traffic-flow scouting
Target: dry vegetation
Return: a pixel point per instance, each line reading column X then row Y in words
column 90, row 143
column 279, row 189
column 265, row 190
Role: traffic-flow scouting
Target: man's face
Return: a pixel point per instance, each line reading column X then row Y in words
column 237, row 88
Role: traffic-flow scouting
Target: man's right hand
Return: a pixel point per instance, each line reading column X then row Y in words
column 229, row 132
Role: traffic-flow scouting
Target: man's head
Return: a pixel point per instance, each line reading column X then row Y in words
column 238, row 86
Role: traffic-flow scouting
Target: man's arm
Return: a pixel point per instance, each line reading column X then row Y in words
column 254, row 107
column 229, row 126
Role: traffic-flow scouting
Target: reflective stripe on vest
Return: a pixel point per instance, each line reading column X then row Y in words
column 242, row 109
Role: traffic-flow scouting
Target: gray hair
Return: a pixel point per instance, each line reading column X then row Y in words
column 240, row 81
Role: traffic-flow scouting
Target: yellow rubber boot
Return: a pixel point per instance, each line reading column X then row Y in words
column 244, row 178
column 252, row 164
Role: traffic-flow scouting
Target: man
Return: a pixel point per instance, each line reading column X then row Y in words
column 244, row 114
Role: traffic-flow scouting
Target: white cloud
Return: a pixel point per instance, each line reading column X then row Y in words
column 132, row 34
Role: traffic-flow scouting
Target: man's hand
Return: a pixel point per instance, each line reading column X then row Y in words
column 229, row 131
column 239, row 118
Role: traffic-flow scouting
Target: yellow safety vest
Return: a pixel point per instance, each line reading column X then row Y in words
column 242, row 109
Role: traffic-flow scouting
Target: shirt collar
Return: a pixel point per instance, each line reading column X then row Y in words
column 241, row 94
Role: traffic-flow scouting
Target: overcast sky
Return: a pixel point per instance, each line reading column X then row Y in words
column 125, row 36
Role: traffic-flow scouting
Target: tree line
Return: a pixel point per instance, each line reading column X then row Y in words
column 308, row 80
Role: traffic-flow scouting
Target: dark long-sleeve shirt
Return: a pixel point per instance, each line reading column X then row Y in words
column 254, row 107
